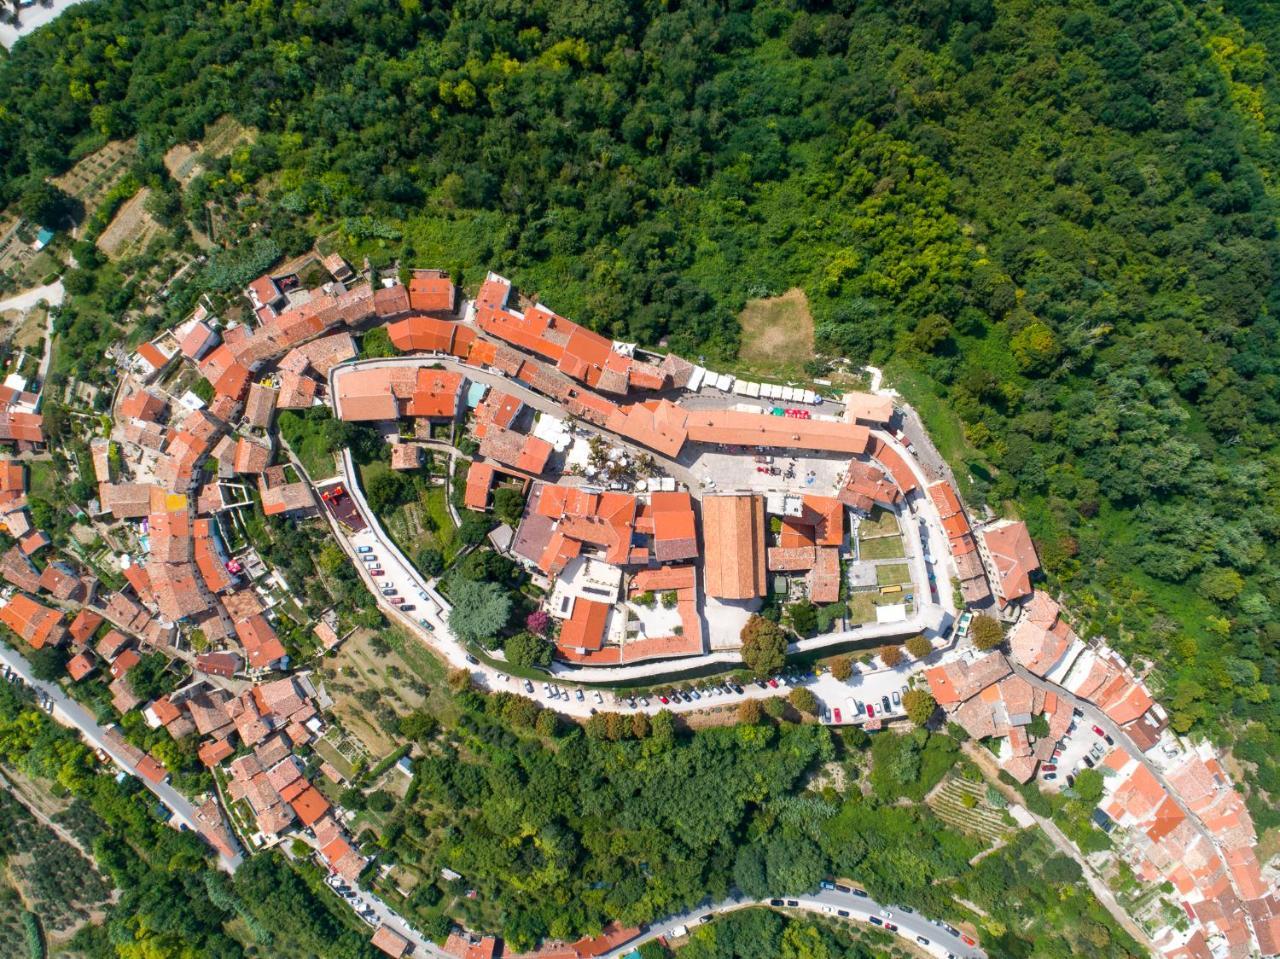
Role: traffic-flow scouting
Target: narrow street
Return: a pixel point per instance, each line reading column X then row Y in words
column 70, row 713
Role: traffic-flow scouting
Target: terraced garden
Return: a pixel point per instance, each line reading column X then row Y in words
column 963, row 805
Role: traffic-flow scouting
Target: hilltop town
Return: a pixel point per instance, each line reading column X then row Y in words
column 662, row 513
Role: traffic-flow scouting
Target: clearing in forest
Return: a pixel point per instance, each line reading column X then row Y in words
column 90, row 179
column 131, row 229
column 777, row 332
column 220, row 138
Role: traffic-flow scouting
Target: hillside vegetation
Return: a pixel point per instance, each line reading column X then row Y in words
column 1056, row 218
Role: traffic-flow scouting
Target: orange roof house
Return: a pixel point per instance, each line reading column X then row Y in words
column 479, row 481
column 733, row 533
column 674, row 527
column 432, row 292
column 435, row 394
column 84, row 626
column 390, row 942
column 262, row 647
column 584, row 629
column 80, row 665
column 1008, row 550
column 39, row 625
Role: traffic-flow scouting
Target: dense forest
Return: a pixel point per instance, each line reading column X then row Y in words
column 1052, row 222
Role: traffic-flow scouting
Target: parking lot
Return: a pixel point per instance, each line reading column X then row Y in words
column 1076, row 750
column 732, row 469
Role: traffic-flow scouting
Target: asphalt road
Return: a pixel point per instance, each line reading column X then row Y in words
column 68, row 712
column 830, row 902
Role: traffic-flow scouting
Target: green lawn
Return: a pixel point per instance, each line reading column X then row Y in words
column 893, row 574
column 881, row 522
column 446, row 534
column 883, row 547
column 862, row 605
column 44, row 479
column 308, row 444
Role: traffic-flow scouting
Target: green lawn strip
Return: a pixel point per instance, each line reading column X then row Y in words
column 893, row 574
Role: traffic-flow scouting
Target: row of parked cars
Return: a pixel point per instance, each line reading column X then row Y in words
column 352, row 896
column 13, row 676
column 858, row 711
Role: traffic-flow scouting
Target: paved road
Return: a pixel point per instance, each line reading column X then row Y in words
column 53, row 294
column 830, row 902
column 1097, row 717
column 68, row 712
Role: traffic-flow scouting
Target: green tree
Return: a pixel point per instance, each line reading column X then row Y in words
column 764, row 647
column 480, row 611
column 508, row 505
column 986, row 632
column 919, row 706
column 919, row 646
column 527, row 650
column 804, row 617
column 804, row 700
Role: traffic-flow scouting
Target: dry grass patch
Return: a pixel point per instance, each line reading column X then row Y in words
column 131, row 229
column 777, row 331
column 90, row 179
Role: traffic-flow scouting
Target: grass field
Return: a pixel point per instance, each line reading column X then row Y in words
column 880, row 523
column 777, row 334
column 862, row 606
column 131, row 229
column 883, row 547
column 893, row 574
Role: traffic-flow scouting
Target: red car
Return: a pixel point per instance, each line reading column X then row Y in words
column 664, row 700
column 871, row 711
column 773, row 684
column 968, row 940
column 377, row 572
column 1098, row 730
column 839, row 718
column 1049, row 768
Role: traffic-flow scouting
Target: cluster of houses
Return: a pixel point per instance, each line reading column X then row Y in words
column 464, row 945
column 631, row 574
column 1186, row 826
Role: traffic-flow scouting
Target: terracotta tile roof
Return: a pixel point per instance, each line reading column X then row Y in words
column 435, row 394
column 84, row 626
column 196, row 339
column 865, row 486
column 263, row 291
column 177, row 593
column 497, row 408
column 584, row 629
column 61, row 581
column 251, row 457
column 121, row 665
column 960, row 680
column 18, row 570
column 297, row 392
column 34, row 541
column 325, row 353
column 260, row 406
column 391, row 301
column 153, row 356
column 261, row 646
column 733, row 532
column 518, row 450
column 80, row 665
column 1014, row 557
column 791, row 559
column 309, row 805
column 218, row 664
column 739, row 428
column 824, row 578
column 125, row 500
column 868, row 408
column 286, row 498
column 22, row 427
column 674, row 527
column 112, row 644
column 215, row 751
column 480, row 478
column 213, row 569
column 394, row 944
column 143, row 405
column 227, row 375
column 39, row 625
column 424, row 333
column 337, row 266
